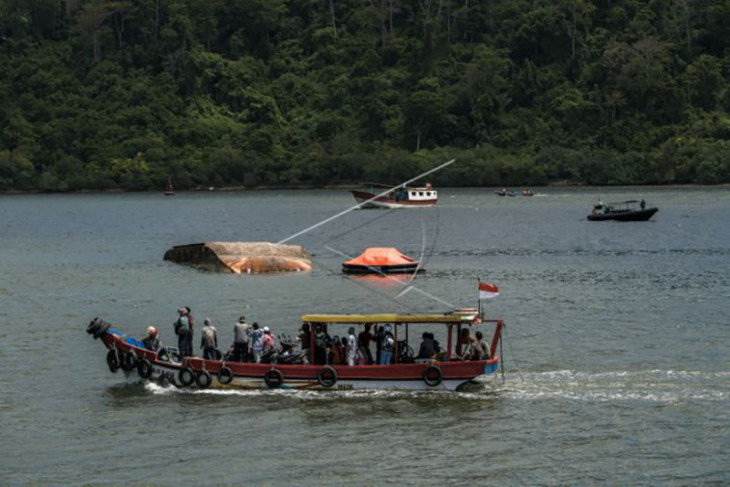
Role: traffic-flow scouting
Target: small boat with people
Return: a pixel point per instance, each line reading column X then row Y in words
column 400, row 197
column 631, row 210
column 465, row 359
column 504, row 192
column 381, row 260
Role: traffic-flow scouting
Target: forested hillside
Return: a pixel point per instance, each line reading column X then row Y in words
column 103, row 94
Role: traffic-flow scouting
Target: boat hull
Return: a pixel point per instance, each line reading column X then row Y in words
column 385, row 202
column 625, row 216
column 380, row 269
column 454, row 374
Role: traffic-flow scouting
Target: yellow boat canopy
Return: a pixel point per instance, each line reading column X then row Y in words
column 456, row 317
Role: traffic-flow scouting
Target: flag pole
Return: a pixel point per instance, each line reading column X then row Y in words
column 479, row 301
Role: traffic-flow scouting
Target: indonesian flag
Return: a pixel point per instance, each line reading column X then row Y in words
column 487, row 291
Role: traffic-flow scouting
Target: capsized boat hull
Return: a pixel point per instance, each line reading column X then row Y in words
column 454, row 374
column 624, row 216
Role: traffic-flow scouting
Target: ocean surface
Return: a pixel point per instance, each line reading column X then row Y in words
column 617, row 351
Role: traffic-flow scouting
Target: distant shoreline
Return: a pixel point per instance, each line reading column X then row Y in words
column 347, row 187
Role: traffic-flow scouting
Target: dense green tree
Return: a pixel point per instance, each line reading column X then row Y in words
column 126, row 93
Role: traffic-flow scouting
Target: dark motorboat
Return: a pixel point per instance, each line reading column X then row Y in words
column 380, row 260
column 624, row 211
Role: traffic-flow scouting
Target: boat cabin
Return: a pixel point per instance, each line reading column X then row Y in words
column 407, row 193
column 403, row 334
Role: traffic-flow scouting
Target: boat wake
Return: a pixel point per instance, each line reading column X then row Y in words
column 481, row 391
column 649, row 386
column 654, row 386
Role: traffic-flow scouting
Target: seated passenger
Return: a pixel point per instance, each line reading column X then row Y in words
column 151, row 340
column 483, row 347
column 469, row 349
column 337, row 352
column 427, row 348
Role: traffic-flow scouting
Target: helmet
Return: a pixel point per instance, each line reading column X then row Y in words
column 266, row 329
column 151, row 330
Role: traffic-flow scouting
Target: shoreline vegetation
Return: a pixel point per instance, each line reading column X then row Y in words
column 121, row 95
column 347, row 187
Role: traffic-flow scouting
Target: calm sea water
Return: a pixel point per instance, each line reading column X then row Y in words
column 617, row 362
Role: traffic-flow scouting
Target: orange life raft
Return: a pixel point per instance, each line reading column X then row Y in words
column 380, row 260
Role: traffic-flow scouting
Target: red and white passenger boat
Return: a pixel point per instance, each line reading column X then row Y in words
column 402, row 197
column 445, row 372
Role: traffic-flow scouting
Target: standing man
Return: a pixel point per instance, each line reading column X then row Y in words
column 241, row 338
column 182, row 330
column 351, row 346
column 191, row 321
column 388, row 344
column 257, row 342
column 365, row 337
column 209, row 340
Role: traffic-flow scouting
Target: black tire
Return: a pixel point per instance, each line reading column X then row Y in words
column 129, row 361
column 203, row 379
column 186, row 377
column 225, row 375
column 93, row 326
column 432, row 375
column 112, row 361
column 144, row 368
column 101, row 330
column 274, row 378
column 327, row 376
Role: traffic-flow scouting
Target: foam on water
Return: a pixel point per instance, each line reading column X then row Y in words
column 659, row 386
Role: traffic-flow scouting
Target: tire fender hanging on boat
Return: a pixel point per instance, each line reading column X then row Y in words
column 327, row 376
column 225, row 375
column 101, row 330
column 274, row 378
column 93, row 326
column 432, row 375
column 186, row 377
column 203, row 378
column 129, row 361
column 112, row 361
column 144, row 368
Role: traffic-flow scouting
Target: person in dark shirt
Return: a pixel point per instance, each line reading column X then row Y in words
column 182, row 330
column 151, row 340
column 428, row 348
column 364, row 339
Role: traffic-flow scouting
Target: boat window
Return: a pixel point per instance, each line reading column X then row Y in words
column 413, row 193
column 420, row 193
column 428, row 193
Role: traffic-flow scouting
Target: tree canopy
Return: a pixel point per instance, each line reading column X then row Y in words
column 122, row 94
